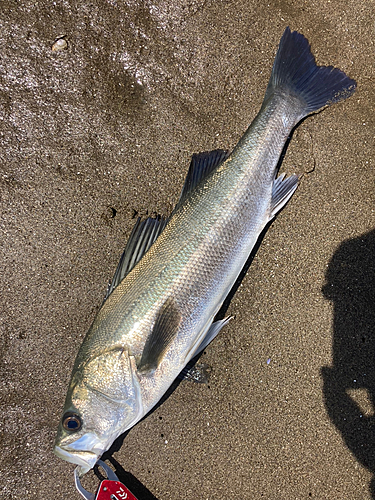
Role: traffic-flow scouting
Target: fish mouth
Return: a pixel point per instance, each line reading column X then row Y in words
column 83, row 458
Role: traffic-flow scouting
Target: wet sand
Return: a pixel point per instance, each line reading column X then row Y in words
column 101, row 131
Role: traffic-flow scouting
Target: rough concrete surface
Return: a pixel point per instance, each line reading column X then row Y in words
column 94, row 133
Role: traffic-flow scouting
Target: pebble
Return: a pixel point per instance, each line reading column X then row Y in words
column 60, row 44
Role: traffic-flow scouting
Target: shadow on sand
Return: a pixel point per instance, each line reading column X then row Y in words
column 349, row 385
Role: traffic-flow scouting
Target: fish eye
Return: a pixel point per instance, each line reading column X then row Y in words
column 71, row 421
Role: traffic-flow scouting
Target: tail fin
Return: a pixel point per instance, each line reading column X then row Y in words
column 295, row 72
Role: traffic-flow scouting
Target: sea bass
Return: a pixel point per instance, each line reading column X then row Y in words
column 175, row 274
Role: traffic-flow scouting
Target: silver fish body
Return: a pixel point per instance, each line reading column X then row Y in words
column 167, row 303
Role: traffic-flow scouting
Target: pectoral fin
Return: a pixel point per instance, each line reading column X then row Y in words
column 162, row 335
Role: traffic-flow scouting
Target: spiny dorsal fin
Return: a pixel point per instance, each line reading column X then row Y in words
column 144, row 234
column 163, row 333
column 201, row 165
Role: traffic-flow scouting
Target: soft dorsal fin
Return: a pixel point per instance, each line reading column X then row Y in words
column 201, row 165
column 163, row 333
column 144, row 234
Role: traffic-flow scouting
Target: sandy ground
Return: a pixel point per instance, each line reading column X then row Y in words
column 96, row 133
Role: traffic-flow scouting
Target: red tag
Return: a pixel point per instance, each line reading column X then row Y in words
column 113, row 490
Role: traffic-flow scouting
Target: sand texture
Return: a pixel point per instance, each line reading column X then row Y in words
column 100, row 131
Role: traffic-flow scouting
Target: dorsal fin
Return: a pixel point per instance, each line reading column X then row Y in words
column 201, row 165
column 144, row 234
column 163, row 333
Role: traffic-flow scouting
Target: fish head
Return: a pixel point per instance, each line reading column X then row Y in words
column 102, row 402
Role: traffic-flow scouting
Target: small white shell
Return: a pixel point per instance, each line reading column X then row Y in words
column 60, row 44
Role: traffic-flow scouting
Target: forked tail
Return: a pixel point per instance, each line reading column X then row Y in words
column 295, row 73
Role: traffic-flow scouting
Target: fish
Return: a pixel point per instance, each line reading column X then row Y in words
column 174, row 275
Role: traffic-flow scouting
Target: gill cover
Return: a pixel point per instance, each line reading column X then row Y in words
column 104, row 396
column 110, row 374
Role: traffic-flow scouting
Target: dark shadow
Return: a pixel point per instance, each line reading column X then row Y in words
column 350, row 285
column 223, row 310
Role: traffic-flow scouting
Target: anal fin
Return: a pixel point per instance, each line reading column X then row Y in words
column 282, row 190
